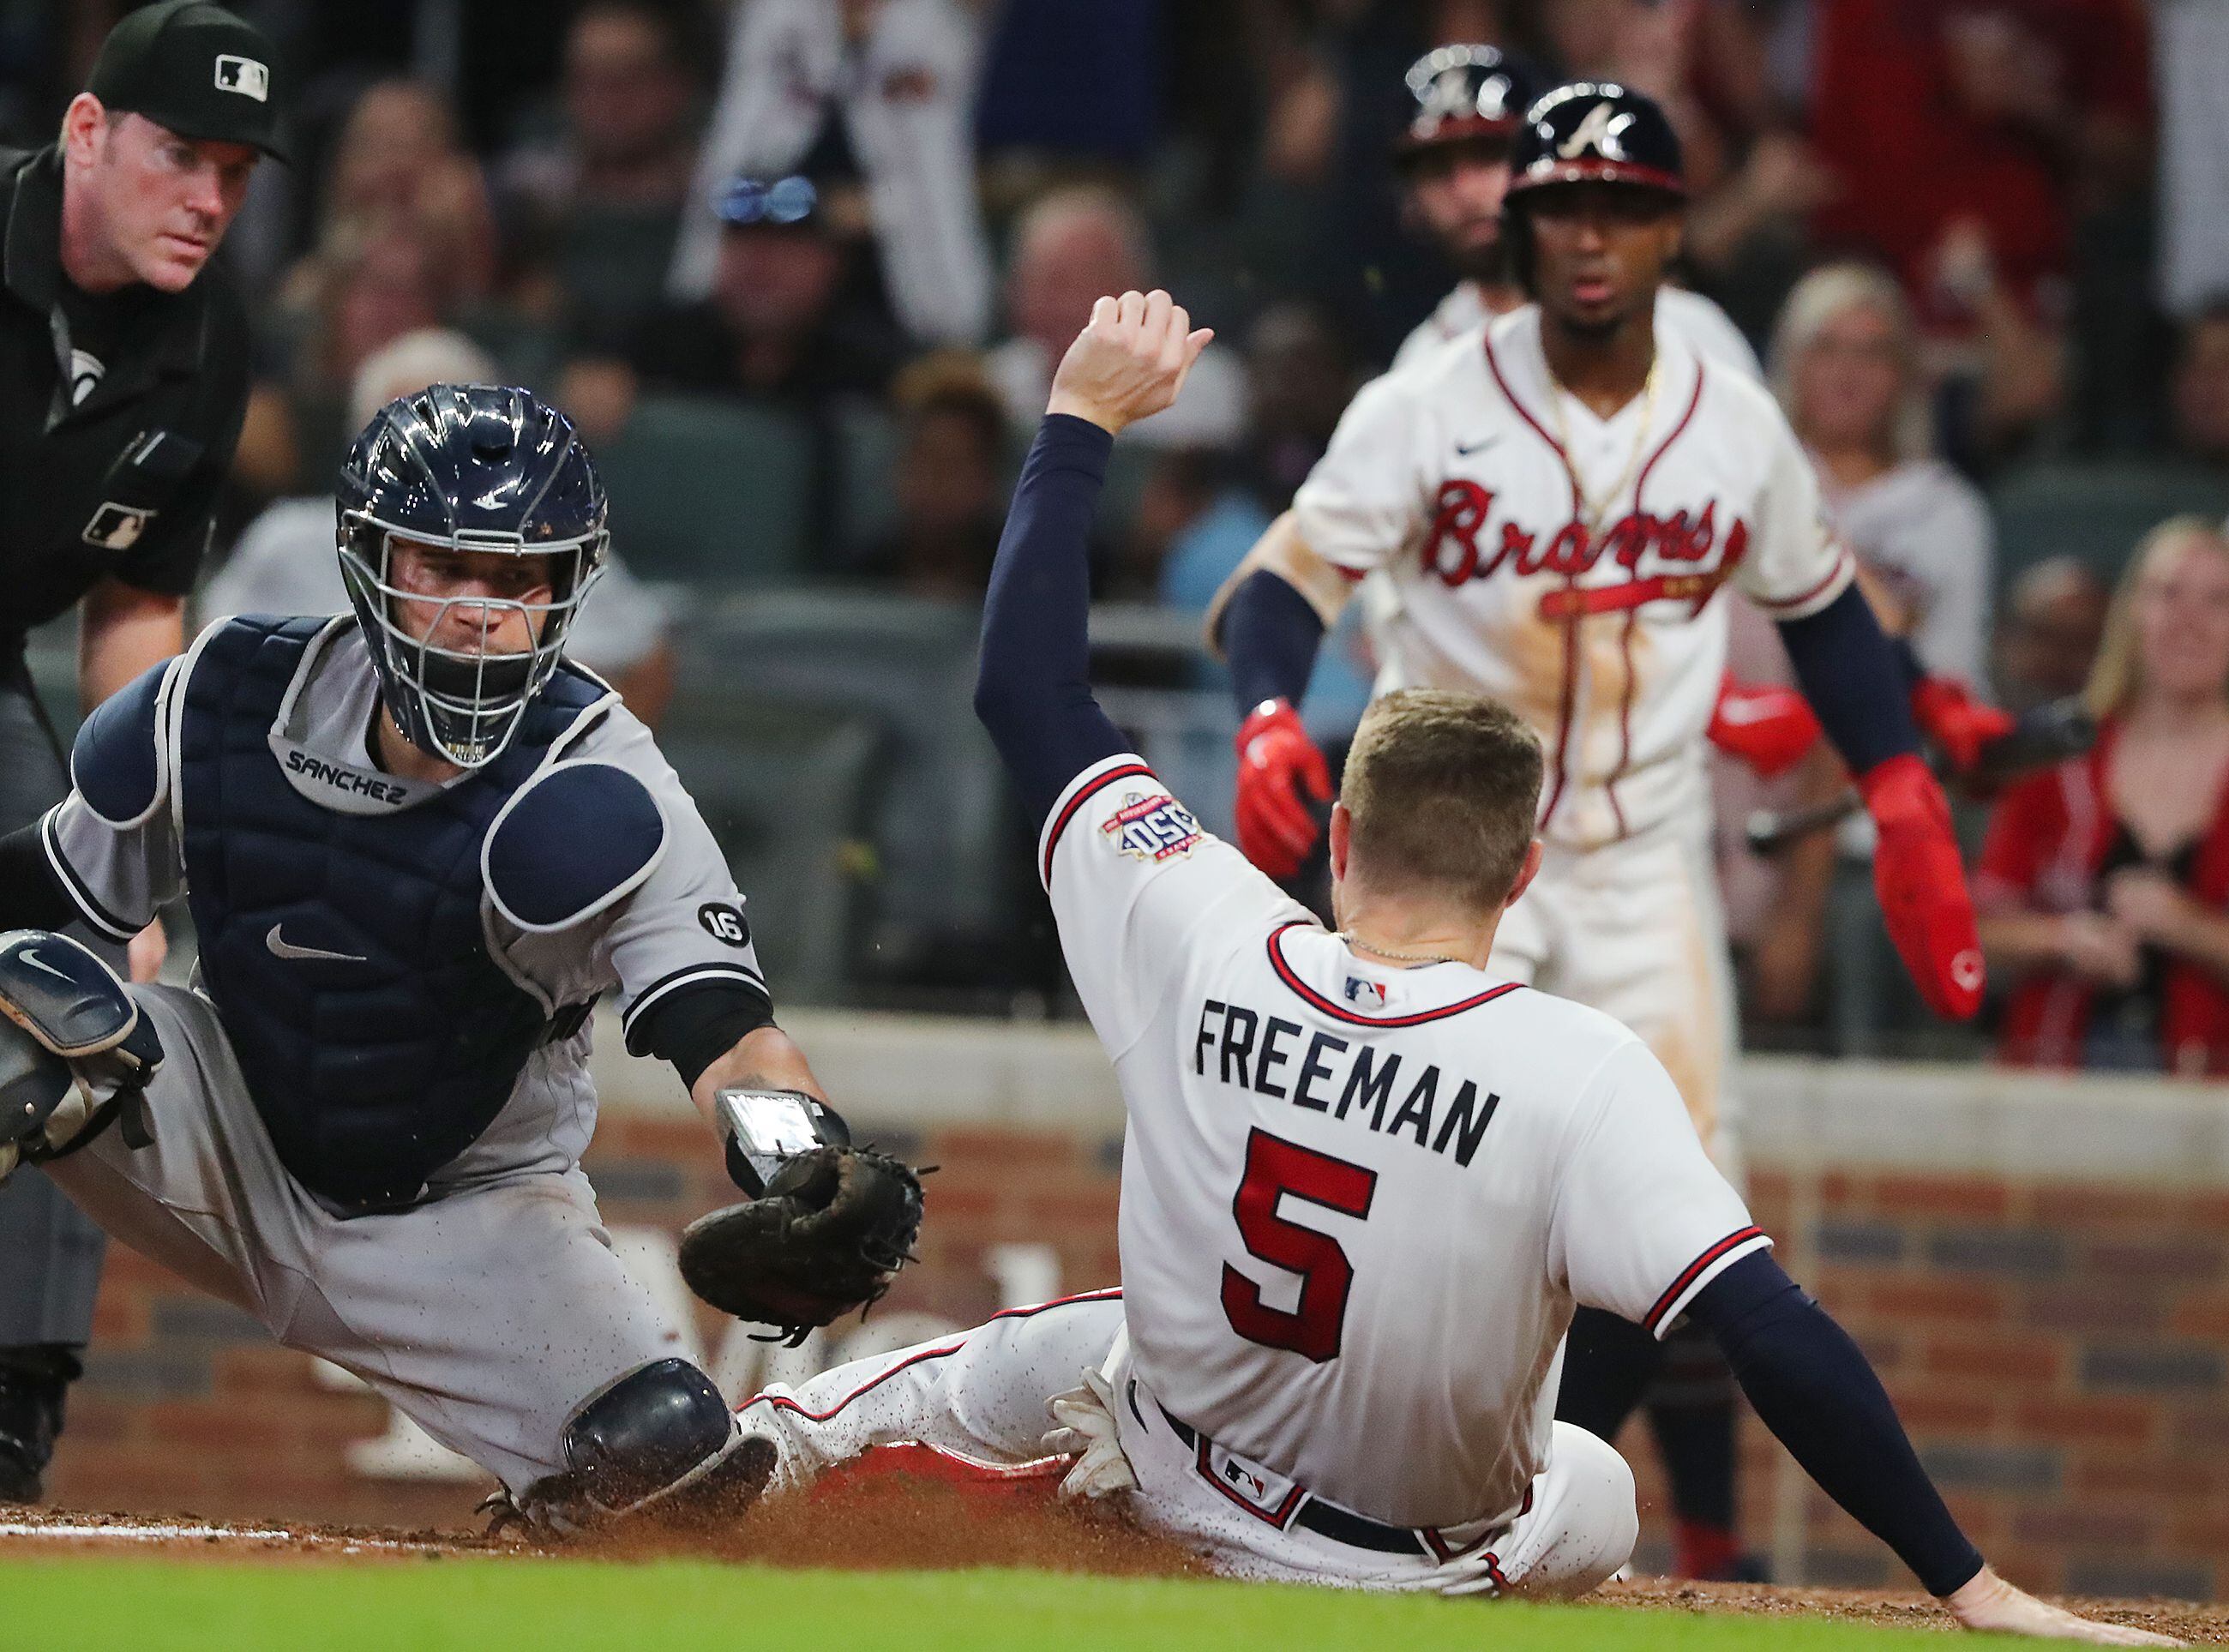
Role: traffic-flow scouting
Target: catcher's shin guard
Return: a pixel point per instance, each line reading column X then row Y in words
column 659, row 1443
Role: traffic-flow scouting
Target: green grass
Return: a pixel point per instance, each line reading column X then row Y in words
column 504, row 1606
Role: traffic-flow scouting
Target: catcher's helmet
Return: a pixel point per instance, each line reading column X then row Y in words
column 1464, row 92
column 472, row 468
column 1588, row 131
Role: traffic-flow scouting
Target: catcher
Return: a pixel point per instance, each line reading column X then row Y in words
column 418, row 844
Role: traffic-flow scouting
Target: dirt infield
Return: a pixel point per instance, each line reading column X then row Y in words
column 881, row 1523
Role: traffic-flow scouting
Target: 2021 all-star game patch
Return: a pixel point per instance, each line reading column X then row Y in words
column 1153, row 827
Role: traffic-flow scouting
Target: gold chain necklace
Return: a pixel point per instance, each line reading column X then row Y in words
column 1373, row 948
column 1593, row 509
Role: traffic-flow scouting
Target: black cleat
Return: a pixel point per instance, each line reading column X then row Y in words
column 33, row 1384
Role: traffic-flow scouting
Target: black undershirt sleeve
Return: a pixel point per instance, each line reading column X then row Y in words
column 1033, row 685
column 1816, row 1391
column 696, row 1026
column 1850, row 673
column 31, row 896
column 1270, row 633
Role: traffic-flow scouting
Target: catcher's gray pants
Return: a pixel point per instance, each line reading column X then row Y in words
column 487, row 1316
column 50, row 1253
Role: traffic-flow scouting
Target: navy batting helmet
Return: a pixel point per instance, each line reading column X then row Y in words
column 1465, row 92
column 1588, row 131
column 1597, row 131
column 469, row 467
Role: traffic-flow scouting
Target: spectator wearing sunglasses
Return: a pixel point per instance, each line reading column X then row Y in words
column 892, row 84
column 778, row 322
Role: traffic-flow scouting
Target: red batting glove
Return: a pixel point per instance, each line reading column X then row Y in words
column 1922, row 885
column 1277, row 765
column 1769, row 728
column 1959, row 724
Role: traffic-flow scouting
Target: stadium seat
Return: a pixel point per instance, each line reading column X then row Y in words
column 937, row 860
column 785, row 788
column 710, row 492
column 2095, row 513
column 866, row 507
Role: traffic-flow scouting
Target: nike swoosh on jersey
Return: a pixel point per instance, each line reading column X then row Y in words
column 282, row 948
column 1739, row 713
column 1464, row 450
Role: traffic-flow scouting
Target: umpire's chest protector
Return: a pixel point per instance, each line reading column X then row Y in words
column 346, row 953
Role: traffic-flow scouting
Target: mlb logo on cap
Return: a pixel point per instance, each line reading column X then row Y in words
column 244, row 75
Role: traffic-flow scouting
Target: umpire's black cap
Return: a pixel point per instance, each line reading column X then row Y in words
column 198, row 70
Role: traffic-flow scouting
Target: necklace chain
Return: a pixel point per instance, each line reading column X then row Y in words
column 1593, row 509
column 1371, row 946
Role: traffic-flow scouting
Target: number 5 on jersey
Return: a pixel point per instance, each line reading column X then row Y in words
column 1274, row 1168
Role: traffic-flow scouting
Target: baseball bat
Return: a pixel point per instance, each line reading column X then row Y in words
column 2050, row 734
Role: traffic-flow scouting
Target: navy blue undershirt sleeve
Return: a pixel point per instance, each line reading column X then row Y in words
column 1816, row 1392
column 695, row 1027
column 1269, row 635
column 1850, row 674
column 1033, row 683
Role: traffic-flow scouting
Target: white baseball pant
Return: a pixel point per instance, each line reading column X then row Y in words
column 983, row 1394
column 1636, row 928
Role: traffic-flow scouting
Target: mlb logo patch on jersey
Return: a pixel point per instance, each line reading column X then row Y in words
column 1268, row 1494
column 1370, row 994
column 1153, row 827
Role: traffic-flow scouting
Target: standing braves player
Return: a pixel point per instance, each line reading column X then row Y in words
column 418, row 845
column 1548, row 507
column 1366, row 1180
column 1453, row 159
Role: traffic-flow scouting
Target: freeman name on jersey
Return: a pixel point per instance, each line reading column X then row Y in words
column 1332, row 1075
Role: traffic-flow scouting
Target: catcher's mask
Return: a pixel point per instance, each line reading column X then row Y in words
column 467, row 468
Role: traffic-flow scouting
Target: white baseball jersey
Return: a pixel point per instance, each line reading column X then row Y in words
column 1359, row 1202
column 1709, row 331
column 1566, row 564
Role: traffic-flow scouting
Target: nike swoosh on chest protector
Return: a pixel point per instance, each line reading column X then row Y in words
column 282, row 948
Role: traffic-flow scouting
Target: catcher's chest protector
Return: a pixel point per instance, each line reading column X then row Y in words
column 345, row 951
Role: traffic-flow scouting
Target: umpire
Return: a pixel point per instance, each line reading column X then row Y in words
column 123, row 380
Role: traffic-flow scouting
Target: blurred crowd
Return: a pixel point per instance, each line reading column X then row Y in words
column 800, row 268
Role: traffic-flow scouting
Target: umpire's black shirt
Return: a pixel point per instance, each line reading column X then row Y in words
column 119, row 414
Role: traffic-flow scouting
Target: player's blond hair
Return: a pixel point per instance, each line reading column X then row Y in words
column 2119, row 673
column 1442, row 788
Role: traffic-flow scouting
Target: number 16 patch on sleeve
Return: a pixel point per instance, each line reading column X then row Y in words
column 1151, row 826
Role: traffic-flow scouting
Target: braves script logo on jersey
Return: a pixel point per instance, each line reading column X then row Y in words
column 1153, row 827
column 1459, row 549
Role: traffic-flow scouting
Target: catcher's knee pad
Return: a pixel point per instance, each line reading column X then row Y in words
column 647, row 1436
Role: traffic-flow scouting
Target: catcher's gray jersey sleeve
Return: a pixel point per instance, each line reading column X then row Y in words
column 678, row 920
column 113, row 842
column 1641, row 1219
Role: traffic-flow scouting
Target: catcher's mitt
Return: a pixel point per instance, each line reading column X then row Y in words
column 830, row 1231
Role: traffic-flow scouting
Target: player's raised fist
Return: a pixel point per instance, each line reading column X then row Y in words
column 1129, row 361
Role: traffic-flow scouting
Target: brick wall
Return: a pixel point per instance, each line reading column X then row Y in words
column 2060, row 1354
column 2059, row 1347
